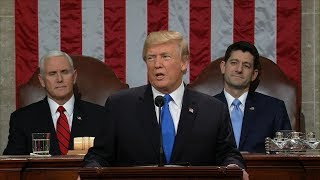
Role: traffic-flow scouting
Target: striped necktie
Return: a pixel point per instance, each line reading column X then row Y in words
column 236, row 119
column 63, row 131
column 167, row 127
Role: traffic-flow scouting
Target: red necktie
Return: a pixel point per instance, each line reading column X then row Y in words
column 63, row 131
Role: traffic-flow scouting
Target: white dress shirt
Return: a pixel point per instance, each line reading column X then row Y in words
column 68, row 106
column 230, row 99
column 174, row 106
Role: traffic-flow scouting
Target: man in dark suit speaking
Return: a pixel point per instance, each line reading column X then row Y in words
column 254, row 116
column 195, row 128
column 60, row 113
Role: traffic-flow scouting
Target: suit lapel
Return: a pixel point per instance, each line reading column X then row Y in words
column 249, row 116
column 147, row 117
column 222, row 98
column 187, row 117
column 78, row 117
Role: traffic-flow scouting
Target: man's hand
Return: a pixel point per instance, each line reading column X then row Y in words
column 245, row 175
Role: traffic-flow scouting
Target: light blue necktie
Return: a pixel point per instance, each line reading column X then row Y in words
column 167, row 127
column 236, row 119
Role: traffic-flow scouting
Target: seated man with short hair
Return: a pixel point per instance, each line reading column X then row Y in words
column 61, row 114
column 254, row 116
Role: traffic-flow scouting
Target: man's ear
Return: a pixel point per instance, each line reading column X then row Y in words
column 41, row 80
column 184, row 64
column 255, row 74
column 222, row 67
column 75, row 75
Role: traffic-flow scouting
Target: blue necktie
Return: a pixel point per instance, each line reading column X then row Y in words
column 167, row 127
column 236, row 119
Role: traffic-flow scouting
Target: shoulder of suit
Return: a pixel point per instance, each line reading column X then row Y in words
column 199, row 96
column 83, row 102
column 266, row 97
column 88, row 104
column 130, row 92
column 33, row 107
column 219, row 95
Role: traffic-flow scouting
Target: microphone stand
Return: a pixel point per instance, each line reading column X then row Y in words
column 159, row 102
column 161, row 155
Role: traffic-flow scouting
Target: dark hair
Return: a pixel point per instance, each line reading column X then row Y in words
column 245, row 46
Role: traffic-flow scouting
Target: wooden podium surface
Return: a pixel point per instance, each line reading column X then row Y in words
column 10, row 167
column 157, row 173
column 259, row 167
column 48, row 168
column 284, row 166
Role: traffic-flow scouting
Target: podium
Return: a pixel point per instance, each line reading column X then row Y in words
column 157, row 173
column 259, row 167
column 10, row 168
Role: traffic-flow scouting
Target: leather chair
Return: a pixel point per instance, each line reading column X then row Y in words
column 95, row 82
column 273, row 82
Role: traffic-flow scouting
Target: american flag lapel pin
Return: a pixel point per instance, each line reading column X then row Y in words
column 190, row 110
column 251, row 108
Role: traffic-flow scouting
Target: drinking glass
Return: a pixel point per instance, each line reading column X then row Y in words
column 40, row 143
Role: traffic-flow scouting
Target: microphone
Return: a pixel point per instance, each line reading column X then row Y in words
column 159, row 102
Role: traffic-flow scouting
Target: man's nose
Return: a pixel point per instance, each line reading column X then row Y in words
column 59, row 77
column 158, row 62
column 239, row 67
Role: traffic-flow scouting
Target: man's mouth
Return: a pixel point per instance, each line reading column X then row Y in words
column 237, row 76
column 159, row 76
column 60, row 87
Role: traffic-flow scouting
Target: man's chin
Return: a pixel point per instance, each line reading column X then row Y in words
column 239, row 86
column 62, row 96
column 161, row 88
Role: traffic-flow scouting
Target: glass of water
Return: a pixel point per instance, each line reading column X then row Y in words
column 40, row 143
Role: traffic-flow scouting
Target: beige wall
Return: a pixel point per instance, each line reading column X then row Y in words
column 7, row 71
column 309, row 66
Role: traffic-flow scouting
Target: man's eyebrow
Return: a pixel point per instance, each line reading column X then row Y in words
column 164, row 53
column 150, row 54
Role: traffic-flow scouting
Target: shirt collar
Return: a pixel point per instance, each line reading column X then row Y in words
column 68, row 106
column 230, row 98
column 176, row 95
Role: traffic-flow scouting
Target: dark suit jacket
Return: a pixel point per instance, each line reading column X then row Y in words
column 87, row 117
column 131, row 135
column 263, row 117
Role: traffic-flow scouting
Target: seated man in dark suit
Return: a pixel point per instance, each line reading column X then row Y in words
column 190, row 131
column 256, row 116
column 73, row 118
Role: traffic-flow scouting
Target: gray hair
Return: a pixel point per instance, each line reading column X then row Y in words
column 54, row 53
